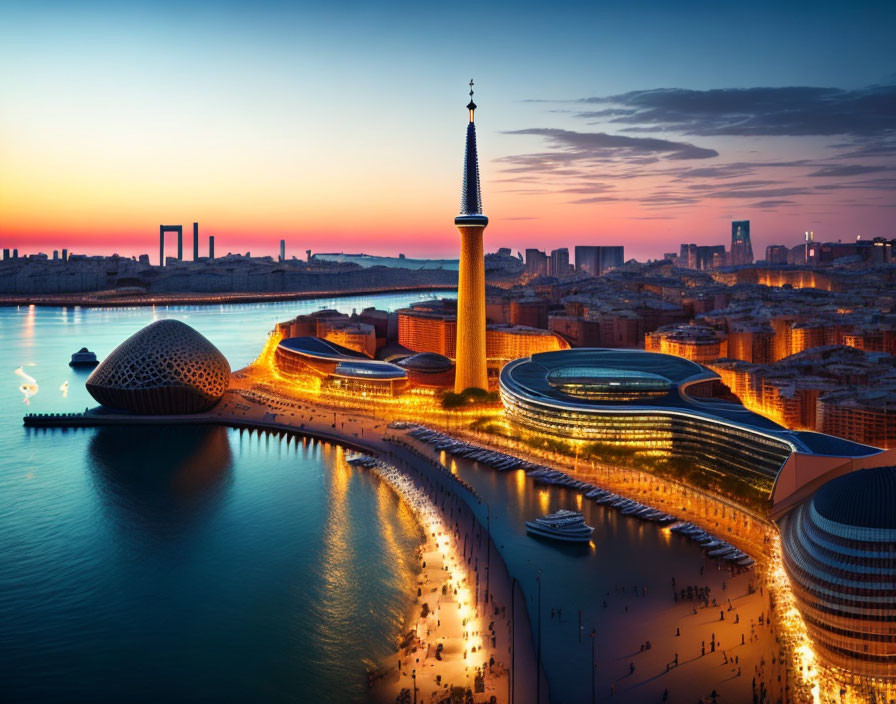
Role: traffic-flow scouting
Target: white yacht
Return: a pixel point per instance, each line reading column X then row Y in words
column 568, row 526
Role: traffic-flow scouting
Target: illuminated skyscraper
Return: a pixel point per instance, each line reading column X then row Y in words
column 471, row 369
column 741, row 247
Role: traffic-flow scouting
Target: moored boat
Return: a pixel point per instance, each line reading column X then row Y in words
column 83, row 358
column 564, row 525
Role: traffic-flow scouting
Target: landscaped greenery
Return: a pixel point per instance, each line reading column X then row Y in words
column 469, row 398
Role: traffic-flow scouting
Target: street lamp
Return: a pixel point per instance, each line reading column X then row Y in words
column 414, row 677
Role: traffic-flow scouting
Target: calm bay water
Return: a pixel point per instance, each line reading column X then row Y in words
column 205, row 564
column 184, row 564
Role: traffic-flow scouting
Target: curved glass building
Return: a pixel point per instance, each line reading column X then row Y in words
column 657, row 403
column 839, row 551
column 338, row 367
column 833, row 499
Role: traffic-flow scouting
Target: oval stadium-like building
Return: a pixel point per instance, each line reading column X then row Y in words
column 164, row 369
column 839, row 550
column 428, row 369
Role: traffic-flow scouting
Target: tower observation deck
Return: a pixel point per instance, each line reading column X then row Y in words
column 471, row 370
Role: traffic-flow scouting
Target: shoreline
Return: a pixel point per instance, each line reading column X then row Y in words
column 434, row 630
column 92, row 300
column 460, row 526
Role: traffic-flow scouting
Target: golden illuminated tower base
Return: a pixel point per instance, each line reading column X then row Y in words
column 470, row 367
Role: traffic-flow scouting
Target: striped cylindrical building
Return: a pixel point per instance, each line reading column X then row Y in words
column 840, row 554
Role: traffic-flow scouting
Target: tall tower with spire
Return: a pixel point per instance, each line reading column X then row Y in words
column 470, row 366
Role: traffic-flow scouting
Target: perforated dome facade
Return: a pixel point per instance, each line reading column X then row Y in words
column 165, row 368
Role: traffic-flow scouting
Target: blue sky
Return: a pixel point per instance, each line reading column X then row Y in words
column 344, row 122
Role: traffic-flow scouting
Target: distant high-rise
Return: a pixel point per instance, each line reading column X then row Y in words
column 587, row 260
column 195, row 241
column 282, row 251
column 65, row 255
column 558, row 265
column 470, row 368
column 776, row 254
column 701, row 257
column 536, row 262
column 611, row 257
column 741, row 248
column 211, row 246
column 596, row 260
column 6, row 254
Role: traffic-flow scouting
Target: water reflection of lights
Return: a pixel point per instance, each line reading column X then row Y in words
column 544, row 500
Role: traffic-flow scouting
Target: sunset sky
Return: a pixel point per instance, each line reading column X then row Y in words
column 340, row 126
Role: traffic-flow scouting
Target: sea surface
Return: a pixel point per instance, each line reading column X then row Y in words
column 184, row 563
column 205, row 564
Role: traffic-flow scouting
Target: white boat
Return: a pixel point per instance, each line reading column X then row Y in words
column 568, row 526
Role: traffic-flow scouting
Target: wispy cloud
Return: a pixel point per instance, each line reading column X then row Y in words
column 788, row 111
column 853, row 147
column 840, row 170
column 600, row 145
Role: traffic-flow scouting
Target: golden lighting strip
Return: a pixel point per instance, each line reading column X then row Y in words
column 430, row 520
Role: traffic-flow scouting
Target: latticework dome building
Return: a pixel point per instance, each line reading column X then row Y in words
column 165, row 368
column 840, row 553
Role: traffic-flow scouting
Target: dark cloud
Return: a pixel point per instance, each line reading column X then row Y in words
column 600, row 145
column 596, row 199
column 737, row 169
column 877, row 184
column 771, row 204
column 841, row 170
column 589, row 188
column 789, row 111
column 709, row 186
column 758, row 192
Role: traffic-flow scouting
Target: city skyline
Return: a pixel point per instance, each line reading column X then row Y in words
column 601, row 126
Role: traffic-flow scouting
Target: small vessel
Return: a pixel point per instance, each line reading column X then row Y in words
column 83, row 358
column 568, row 526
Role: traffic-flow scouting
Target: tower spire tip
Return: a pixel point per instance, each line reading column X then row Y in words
column 472, row 106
